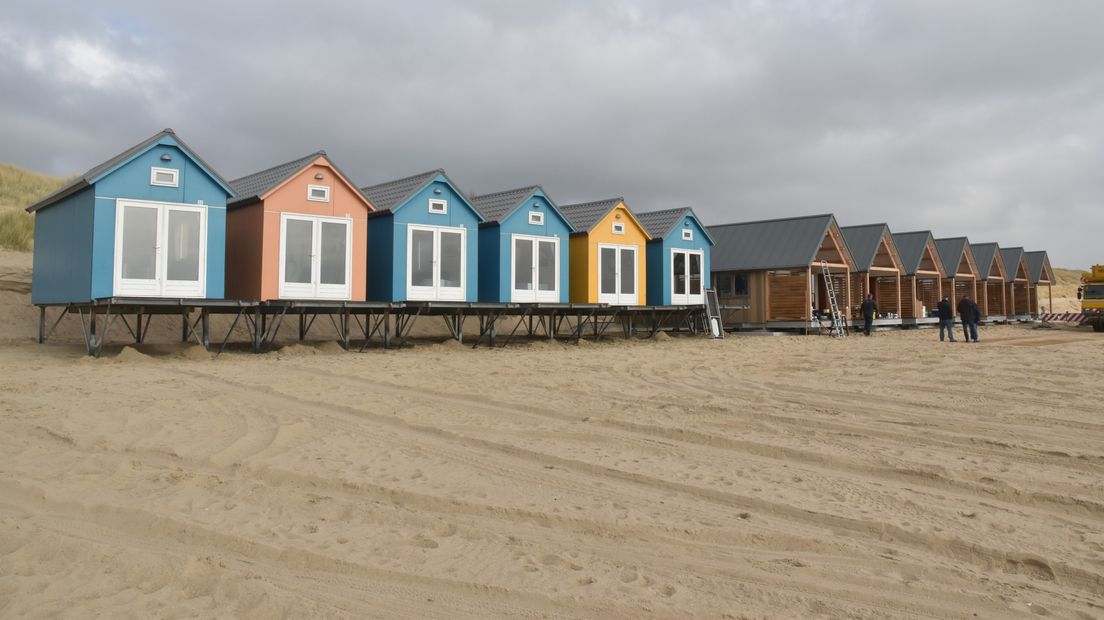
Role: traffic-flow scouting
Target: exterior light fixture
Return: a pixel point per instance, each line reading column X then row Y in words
column 318, row 176
column 437, row 190
column 166, row 157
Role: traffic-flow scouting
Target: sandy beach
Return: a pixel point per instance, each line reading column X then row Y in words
column 891, row 476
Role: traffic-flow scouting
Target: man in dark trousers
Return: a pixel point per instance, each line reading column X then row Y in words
column 869, row 313
column 977, row 318
column 967, row 312
column 946, row 319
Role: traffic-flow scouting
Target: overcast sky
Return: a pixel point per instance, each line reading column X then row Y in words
column 966, row 117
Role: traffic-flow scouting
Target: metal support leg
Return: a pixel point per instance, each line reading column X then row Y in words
column 41, row 324
column 302, row 326
column 387, row 329
column 138, row 333
column 183, row 326
column 206, row 328
column 258, row 328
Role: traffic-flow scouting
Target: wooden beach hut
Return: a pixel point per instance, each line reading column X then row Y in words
column 148, row 222
column 297, row 231
column 423, row 242
column 607, row 254
column 991, row 281
column 678, row 257
column 961, row 271
column 877, row 271
column 523, row 253
column 1018, row 283
column 1042, row 276
column 922, row 280
column 771, row 270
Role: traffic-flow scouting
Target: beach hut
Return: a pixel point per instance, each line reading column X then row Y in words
column 877, row 269
column 922, row 280
column 607, row 247
column 961, row 271
column 423, row 242
column 1018, row 283
column 1042, row 275
column 772, row 270
column 297, row 231
column 677, row 257
column 149, row 222
column 991, row 279
column 523, row 253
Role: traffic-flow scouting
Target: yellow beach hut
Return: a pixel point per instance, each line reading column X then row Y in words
column 607, row 254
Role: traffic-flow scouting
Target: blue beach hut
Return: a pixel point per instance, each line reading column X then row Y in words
column 523, row 253
column 678, row 257
column 149, row 222
column 423, row 242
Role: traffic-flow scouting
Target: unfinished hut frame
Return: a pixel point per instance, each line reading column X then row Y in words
column 962, row 272
column 991, row 281
column 1018, row 283
column 1042, row 276
column 877, row 272
column 922, row 280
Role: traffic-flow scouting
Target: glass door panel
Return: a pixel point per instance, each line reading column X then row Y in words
column 421, row 258
column 139, row 247
column 183, row 245
column 451, row 265
column 298, row 246
column 678, row 273
column 334, row 249
column 607, row 265
column 546, row 267
column 523, row 265
column 628, row 272
column 695, row 274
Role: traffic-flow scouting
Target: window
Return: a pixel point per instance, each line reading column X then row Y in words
column 618, row 228
column 536, row 218
column 687, row 234
column 739, row 285
column 318, row 193
column 165, row 177
column 439, row 207
column 724, row 285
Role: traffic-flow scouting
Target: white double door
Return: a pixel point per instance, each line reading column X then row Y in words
column 315, row 257
column 617, row 269
column 160, row 249
column 437, row 263
column 686, row 277
column 534, row 269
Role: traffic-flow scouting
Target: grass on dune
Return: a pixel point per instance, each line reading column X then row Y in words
column 19, row 188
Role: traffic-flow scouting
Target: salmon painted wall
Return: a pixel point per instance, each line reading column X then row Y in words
column 584, row 266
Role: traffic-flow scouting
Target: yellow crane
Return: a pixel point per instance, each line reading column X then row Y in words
column 1091, row 294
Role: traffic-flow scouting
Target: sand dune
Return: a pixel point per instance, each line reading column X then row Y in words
column 784, row 477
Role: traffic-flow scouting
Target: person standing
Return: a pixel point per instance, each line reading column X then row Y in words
column 977, row 318
column 869, row 313
column 946, row 319
column 967, row 312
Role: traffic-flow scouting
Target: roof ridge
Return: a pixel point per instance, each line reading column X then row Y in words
column 507, row 191
column 883, row 224
column 281, row 165
column 776, row 219
column 406, row 178
column 593, row 202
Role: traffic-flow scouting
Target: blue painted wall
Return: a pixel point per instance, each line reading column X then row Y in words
column 391, row 231
column 496, row 253
column 62, row 250
column 659, row 259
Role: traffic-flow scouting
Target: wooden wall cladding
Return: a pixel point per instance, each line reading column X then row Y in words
column 787, row 297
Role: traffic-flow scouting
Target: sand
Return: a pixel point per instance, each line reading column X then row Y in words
column 891, row 476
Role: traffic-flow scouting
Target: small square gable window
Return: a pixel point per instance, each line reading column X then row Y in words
column 318, row 193
column 439, row 207
column 536, row 218
column 165, row 177
column 618, row 228
column 687, row 234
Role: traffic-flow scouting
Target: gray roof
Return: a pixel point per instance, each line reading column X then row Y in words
column 785, row 243
column 1035, row 263
column 1011, row 259
column 495, row 207
column 863, row 242
column 950, row 252
column 253, row 186
column 89, row 177
column 910, row 248
column 585, row 215
column 387, row 196
column 984, row 254
column 659, row 224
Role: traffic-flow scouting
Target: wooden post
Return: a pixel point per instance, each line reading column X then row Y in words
column 900, row 305
column 809, row 293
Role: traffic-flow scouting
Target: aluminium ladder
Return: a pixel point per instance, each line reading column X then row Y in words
column 839, row 329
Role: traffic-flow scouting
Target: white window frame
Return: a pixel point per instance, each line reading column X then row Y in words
column 325, row 191
column 536, row 218
column 687, row 298
column 442, row 203
column 619, row 298
column 436, row 292
column 536, row 295
column 687, row 234
column 160, row 286
column 315, row 289
column 619, row 228
column 154, row 171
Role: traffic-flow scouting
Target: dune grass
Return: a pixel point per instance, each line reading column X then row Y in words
column 19, row 188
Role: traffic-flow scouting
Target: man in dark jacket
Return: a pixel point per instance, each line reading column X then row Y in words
column 946, row 319
column 967, row 313
column 869, row 313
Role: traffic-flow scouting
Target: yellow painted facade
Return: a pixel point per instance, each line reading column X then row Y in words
column 584, row 255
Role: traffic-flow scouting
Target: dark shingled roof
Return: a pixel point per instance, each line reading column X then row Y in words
column 253, row 186
column 1011, row 258
column 1035, row 263
column 495, row 207
column 387, row 196
column 863, row 242
column 89, row 177
column 659, row 224
column 984, row 255
column 585, row 215
column 910, row 247
column 785, row 243
column 950, row 252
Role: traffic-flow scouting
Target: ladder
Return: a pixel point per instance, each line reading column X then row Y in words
column 839, row 328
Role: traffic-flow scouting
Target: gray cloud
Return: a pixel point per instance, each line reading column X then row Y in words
column 979, row 118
